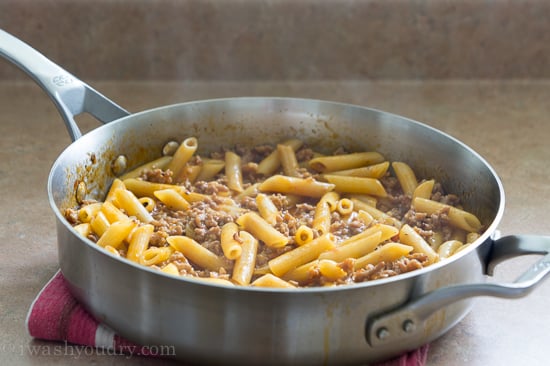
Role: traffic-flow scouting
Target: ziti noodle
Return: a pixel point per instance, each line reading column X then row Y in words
column 278, row 215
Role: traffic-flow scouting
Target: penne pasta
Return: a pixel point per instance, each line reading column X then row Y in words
column 100, row 224
column 304, row 187
column 155, row 255
column 300, row 255
column 139, row 242
column 272, row 162
column 182, row 155
column 267, row 208
column 376, row 171
column 424, row 189
column 171, row 198
column 407, row 235
column 332, row 163
column 354, row 249
column 405, row 176
column 386, row 253
column 269, row 280
column 88, row 212
column 129, row 202
column 246, row 262
column 196, row 253
column 209, row 169
column 344, row 206
column 112, row 213
column 233, row 171
column 458, row 218
column 288, row 160
column 448, row 248
column 345, row 184
column 143, row 188
column 257, row 226
column 116, row 233
column 160, row 163
column 322, row 217
column 148, row 203
column 304, row 234
column 231, row 241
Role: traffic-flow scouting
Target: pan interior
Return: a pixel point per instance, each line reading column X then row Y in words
column 252, row 121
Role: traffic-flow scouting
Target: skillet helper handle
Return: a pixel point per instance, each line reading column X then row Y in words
column 70, row 95
column 408, row 320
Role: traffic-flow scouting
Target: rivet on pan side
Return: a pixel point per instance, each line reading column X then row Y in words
column 80, row 194
column 119, row 165
column 170, row 148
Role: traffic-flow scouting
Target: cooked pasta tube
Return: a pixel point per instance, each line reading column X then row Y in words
column 87, row 213
column 84, row 229
column 171, row 268
column 330, row 269
column 406, row 177
column 209, row 169
column 304, row 234
column 160, row 163
column 268, row 280
column 117, row 183
column 196, row 253
column 424, row 189
column 354, row 249
column 407, row 235
column 267, row 208
column 116, row 233
column 171, row 198
column 459, row 218
column 112, row 250
column 272, row 162
column 233, row 171
column 372, row 171
column 347, row 184
column 386, row 253
column 322, row 218
column 246, row 262
column 217, row 281
column 100, row 224
column 375, row 213
column 386, row 232
column 143, row 188
column 250, row 191
column 182, row 155
column 257, row 226
column 288, row 160
column 300, row 255
column 231, row 241
column 113, row 213
column 448, row 248
column 304, row 187
column 139, row 242
column 366, row 199
column 303, row 273
column 148, row 203
column 345, row 161
column 129, row 202
column 344, row 206
column 365, row 217
column 155, row 255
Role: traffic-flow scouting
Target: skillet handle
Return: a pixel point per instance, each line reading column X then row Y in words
column 70, row 95
column 408, row 320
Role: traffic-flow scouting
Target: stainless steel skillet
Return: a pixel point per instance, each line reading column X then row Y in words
column 214, row 324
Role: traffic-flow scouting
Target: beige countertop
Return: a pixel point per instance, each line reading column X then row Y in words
column 505, row 121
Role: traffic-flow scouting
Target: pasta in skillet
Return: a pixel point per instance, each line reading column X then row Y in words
column 278, row 215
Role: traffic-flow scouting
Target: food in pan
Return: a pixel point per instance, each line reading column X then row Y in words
column 277, row 216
